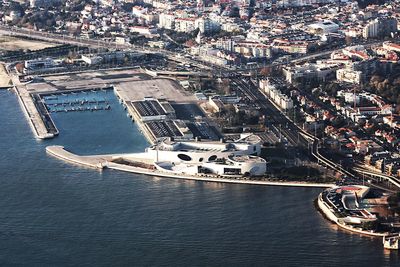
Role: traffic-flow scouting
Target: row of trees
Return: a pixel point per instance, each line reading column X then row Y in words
column 388, row 88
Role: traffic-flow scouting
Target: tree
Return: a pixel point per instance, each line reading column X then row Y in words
column 266, row 71
column 19, row 67
column 225, row 86
column 190, row 43
column 348, row 40
column 195, row 33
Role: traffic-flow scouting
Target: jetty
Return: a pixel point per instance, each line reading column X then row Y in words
column 37, row 115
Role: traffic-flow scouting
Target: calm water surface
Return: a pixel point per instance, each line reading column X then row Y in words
column 56, row 214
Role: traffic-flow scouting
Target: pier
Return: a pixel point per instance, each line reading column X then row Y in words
column 36, row 113
column 39, row 119
column 44, row 113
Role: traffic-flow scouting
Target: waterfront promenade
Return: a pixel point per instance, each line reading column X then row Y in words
column 105, row 161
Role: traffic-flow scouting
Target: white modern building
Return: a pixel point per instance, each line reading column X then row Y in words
column 92, row 59
column 238, row 158
column 231, row 166
column 323, row 27
column 167, row 21
column 274, row 94
column 39, row 63
column 349, row 75
column 203, row 151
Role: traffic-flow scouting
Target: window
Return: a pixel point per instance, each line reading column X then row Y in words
column 232, row 171
column 184, row 157
column 212, row 158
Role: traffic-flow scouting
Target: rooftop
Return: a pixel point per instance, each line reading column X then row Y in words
column 148, row 108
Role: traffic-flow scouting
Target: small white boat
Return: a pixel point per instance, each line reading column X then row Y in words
column 391, row 242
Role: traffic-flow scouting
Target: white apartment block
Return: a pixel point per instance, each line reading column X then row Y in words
column 350, row 76
column 282, row 100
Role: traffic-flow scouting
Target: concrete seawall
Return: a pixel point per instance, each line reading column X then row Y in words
column 210, row 178
column 132, row 114
column 104, row 161
column 360, row 231
column 326, row 210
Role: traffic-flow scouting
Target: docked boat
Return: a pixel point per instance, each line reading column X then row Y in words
column 391, row 242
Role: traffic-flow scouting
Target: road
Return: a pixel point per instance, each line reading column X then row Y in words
column 98, row 43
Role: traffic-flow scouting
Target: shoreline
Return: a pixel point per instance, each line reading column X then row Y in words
column 104, row 162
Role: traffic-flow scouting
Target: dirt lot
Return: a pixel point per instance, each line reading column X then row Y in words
column 131, row 85
column 157, row 88
column 13, row 44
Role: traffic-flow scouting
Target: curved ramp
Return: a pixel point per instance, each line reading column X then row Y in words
column 97, row 162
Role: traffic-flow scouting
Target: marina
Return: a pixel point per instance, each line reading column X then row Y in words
column 38, row 106
column 89, row 92
column 66, row 105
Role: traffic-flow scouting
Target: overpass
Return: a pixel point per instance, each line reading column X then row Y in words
column 156, row 73
column 393, row 180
